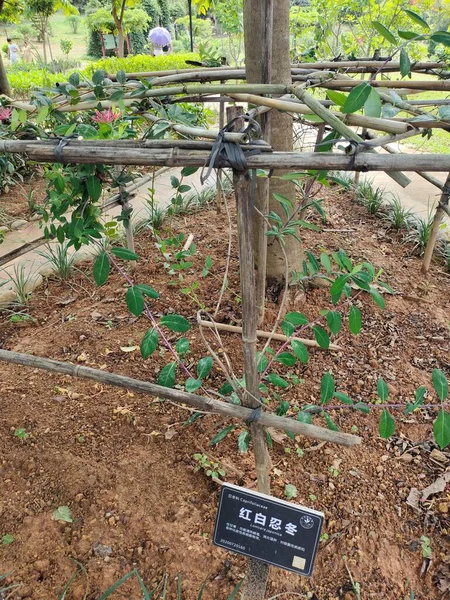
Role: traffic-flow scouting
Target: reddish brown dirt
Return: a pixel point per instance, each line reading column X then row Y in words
column 110, row 456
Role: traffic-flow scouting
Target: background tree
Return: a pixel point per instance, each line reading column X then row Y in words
column 10, row 12
column 118, row 8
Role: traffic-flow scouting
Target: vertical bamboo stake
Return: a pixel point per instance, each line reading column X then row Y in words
column 444, row 200
column 219, row 171
column 258, row 572
column 125, row 206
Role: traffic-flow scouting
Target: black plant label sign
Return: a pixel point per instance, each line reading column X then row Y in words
column 273, row 531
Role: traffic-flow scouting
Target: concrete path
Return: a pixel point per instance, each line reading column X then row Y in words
column 33, row 268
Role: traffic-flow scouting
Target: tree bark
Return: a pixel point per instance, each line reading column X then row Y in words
column 4, row 83
column 279, row 130
column 118, row 20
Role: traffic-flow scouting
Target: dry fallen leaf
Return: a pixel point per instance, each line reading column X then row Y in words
column 129, row 348
column 437, row 486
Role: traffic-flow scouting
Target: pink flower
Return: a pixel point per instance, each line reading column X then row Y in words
column 107, row 116
column 5, row 113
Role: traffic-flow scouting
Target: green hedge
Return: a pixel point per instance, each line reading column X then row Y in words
column 24, row 81
column 141, row 63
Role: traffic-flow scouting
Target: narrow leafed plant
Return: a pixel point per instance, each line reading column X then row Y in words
column 21, row 282
column 58, row 258
column 371, row 197
column 419, row 234
column 397, row 216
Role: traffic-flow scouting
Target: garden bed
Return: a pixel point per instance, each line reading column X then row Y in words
column 123, row 463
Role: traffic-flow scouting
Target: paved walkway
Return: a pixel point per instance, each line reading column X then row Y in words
column 33, row 267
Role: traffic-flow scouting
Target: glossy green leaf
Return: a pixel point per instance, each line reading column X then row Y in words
column 334, row 321
column 327, row 388
column 440, row 384
column 386, row 426
column 176, row 323
column 124, row 254
column 285, row 203
column 226, row 388
column 354, row 320
column 204, row 367
column 287, row 328
column 282, row 408
column 343, row 398
column 135, row 301
column 326, row 262
column 277, row 381
column 290, row 491
column 300, row 351
column 295, row 318
column 304, row 417
column 441, row 37
column 330, row 423
column 186, row 171
column 362, row 407
column 286, row 358
column 62, row 513
column 222, row 435
column 262, row 362
column 384, row 32
column 357, row 98
column 322, row 337
column 417, row 19
column 382, row 389
column 419, row 397
column 377, row 298
column 167, row 375
column 441, row 429
column 243, row 441
column 147, row 290
column 94, row 187
column 101, row 269
column 338, row 285
column 405, row 63
column 337, row 97
column 373, row 105
column 408, row 35
column 192, row 385
column 149, row 342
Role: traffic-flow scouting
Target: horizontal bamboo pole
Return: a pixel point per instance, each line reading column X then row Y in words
column 207, row 404
column 279, row 337
column 355, row 120
column 76, row 152
column 371, row 64
column 425, row 85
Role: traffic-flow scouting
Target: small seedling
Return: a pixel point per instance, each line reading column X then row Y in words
column 335, row 472
column 211, row 468
column 312, row 497
column 324, row 537
column 426, row 548
column 62, row 513
column 21, row 433
column 7, row 539
column 290, row 491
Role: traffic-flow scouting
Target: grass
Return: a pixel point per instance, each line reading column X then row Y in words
column 21, row 280
column 58, row 258
column 419, row 234
column 397, row 216
column 371, row 197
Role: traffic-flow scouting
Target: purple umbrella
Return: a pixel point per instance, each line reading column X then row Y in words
column 160, row 36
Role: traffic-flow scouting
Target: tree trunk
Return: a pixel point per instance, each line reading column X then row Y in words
column 4, row 83
column 279, row 130
column 119, row 26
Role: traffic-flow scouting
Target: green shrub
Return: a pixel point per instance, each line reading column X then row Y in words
column 138, row 42
column 94, row 48
column 140, row 62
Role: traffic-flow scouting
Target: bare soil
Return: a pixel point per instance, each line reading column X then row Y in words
column 123, row 463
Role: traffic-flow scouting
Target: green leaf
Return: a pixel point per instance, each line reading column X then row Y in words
column 343, row 398
column 222, row 435
column 124, row 254
column 357, row 98
column 287, row 328
column 276, row 380
column 121, row 77
column 282, row 408
column 167, row 375
column 338, row 285
column 6, row 540
column 440, row 384
column 354, row 320
column 373, row 106
column 377, row 298
column 386, row 427
column 290, row 491
column 285, row 203
column 405, row 63
column 362, row 407
column 300, row 351
column 441, row 429
column 327, row 388
column 182, row 346
column 135, row 301
column 295, row 318
column 337, row 97
column 204, row 367
column 186, row 171
column 286, row 358
column 149, row 342
column 326, row 262
column 441, row 37
column 321, row 336
column 147, row 290
column 62, row 513
column 382, row 389
column 94, row 187
column 408, row 35
column 176, row 323
column 417, row 19
column 330, row 423
column 101, row 269
column 334, row 321
column 419, row 396
column 226, row 388
column 243, row 441
column 192, row 384
column 444, row 112
column 304, row 417
column 384, row 32
column 262, row 362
